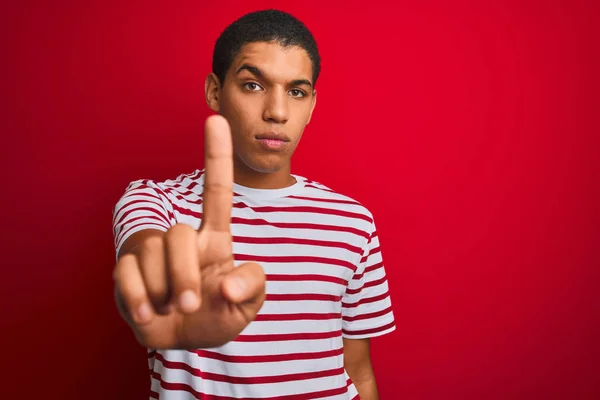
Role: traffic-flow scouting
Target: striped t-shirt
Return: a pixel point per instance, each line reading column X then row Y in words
column 325, row 281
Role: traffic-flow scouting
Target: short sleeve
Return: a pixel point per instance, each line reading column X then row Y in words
column 144, row 205
column 366, row 305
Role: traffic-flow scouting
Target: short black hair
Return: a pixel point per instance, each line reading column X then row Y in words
column 263, row 26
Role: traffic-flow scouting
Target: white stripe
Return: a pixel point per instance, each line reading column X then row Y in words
column 249, row 370
column 250, row 390
column 280, row 347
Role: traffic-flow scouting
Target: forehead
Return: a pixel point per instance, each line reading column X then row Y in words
column 275, row 61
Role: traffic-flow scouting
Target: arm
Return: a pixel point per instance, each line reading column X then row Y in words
column 357, row 362
column 161, row 286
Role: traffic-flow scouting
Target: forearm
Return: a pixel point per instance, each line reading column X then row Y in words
column 357, row 363
column 367, row 389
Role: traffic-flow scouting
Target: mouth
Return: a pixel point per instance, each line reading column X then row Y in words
column 273, row 141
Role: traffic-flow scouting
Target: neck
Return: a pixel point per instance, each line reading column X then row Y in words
column 244, row 176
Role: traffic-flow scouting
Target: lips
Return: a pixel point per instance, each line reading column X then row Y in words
column 273, row 136
column 273, row 141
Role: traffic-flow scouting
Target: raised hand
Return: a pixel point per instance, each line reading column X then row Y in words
column 180, row 289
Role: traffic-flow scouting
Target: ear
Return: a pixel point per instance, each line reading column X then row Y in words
column 212, row 90
column 312, row 108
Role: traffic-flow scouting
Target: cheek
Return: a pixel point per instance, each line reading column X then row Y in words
column 242, row 113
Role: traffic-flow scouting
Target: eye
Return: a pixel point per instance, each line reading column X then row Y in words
column 297, row 93
column 252, row 86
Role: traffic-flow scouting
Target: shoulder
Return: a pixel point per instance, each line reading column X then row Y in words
column 184, row 184
column 325, row 194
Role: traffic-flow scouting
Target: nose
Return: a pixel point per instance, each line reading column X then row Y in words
column 276, row 107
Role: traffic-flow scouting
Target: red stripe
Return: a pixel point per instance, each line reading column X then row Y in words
column 303, row 296
column 369, row 331
column 153, row 394
column 295, row 259
column 297, row 317
column 375, row 250
column 161, row 196
column 366, row 257
column 150, row 226
column 371, row 253
column 369, row 315
column 357, row 397
column 323, row 189
column 202, row 396
column 248, row 380
column 268, row 358
column 338, row 201
column 298, row 225
column 132, row 220
column 306, row 277
column 192, row 175
column 193, row 182
column 366, row 285
column 152, row 210
column 305, row 209
column 192, row 185
column 281, row 337
column 151, row 353
column 354, row 291
column 366, row 300
column 375, row 282
column 133, row 192
column 284, row 225
column 160, row 192
column 373, row 267
column 367, row 270
column 196, row 174
column 286, row 240
column 186, row 211
column 179, row 195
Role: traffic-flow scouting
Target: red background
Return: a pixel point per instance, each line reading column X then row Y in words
column 467, row 129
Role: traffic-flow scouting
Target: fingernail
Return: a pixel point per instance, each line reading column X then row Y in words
column 144, row 313
column 188, row 301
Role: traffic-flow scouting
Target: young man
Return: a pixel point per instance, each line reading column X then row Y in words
column 244, row 280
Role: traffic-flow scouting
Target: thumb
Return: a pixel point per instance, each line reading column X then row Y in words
column 245, row 284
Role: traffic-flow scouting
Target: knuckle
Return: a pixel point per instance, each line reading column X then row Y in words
column 151, row 244
column 176, row 231
column 129, row 298
column 158, row 293
column 217, row 188
column 184, row 278
column 119, row 269
column 216, row 154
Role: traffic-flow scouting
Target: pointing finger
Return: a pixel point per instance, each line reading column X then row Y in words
column 218, row 181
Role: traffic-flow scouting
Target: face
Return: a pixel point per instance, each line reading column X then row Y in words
column 268, row 98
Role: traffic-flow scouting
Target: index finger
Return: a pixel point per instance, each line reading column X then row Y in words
column 218, row 178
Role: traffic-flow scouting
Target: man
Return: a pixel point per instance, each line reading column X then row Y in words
column 244, row 280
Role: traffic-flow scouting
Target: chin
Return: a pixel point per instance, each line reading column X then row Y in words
column 264, row 165
column 266, row 168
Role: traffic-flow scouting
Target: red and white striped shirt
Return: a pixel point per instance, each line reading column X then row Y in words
column 325, row 280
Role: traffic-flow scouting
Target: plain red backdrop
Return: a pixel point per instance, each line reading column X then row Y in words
column 469, row 130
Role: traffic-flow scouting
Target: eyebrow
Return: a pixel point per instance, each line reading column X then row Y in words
column 258, row 73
